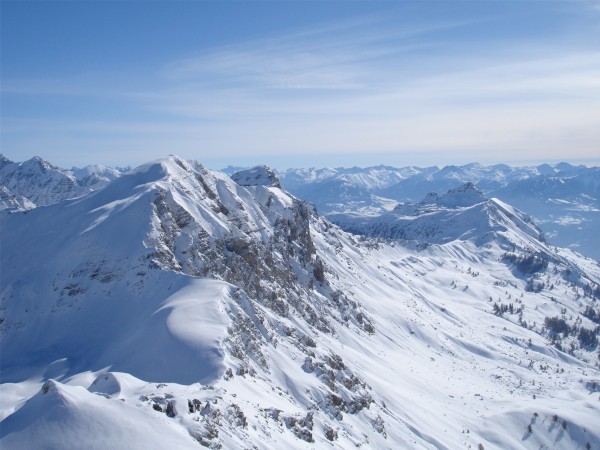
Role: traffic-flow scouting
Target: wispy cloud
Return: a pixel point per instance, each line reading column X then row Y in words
column 377, row 85
column 344, row 55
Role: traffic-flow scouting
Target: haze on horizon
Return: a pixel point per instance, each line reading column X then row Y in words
column 298, row 84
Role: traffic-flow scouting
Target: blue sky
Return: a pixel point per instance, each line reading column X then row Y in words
column 301, row 83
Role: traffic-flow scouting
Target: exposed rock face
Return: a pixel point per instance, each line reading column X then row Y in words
column 264, row 247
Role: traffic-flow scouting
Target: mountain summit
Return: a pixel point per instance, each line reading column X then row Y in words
column 256, row 176
column 465, row 195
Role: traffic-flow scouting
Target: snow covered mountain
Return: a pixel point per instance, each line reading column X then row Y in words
column 347, row 190
column 463, row 214
column 179, row 307
column 566, row 206
column 563, row 199
column 8, row 200
column 96, row 176
column 36, row 182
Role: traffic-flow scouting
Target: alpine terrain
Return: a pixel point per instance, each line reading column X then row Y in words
column 36, row 182
column 563, row 199
column 172, row 306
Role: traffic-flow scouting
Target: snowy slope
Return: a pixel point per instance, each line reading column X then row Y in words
column 69, row 417
column 178, row 308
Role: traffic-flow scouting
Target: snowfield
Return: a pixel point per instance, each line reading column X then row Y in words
column 178, row 308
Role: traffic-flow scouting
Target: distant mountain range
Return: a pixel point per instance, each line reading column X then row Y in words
column 563, row 200
column 36, row 182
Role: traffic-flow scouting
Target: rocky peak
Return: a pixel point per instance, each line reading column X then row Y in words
column 4, row 161
column 431, row 198
column 466, row 195
column 256, row 176
column 38, row 164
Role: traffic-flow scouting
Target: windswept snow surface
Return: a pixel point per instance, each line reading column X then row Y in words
column 176, row 308
column 69, row 417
